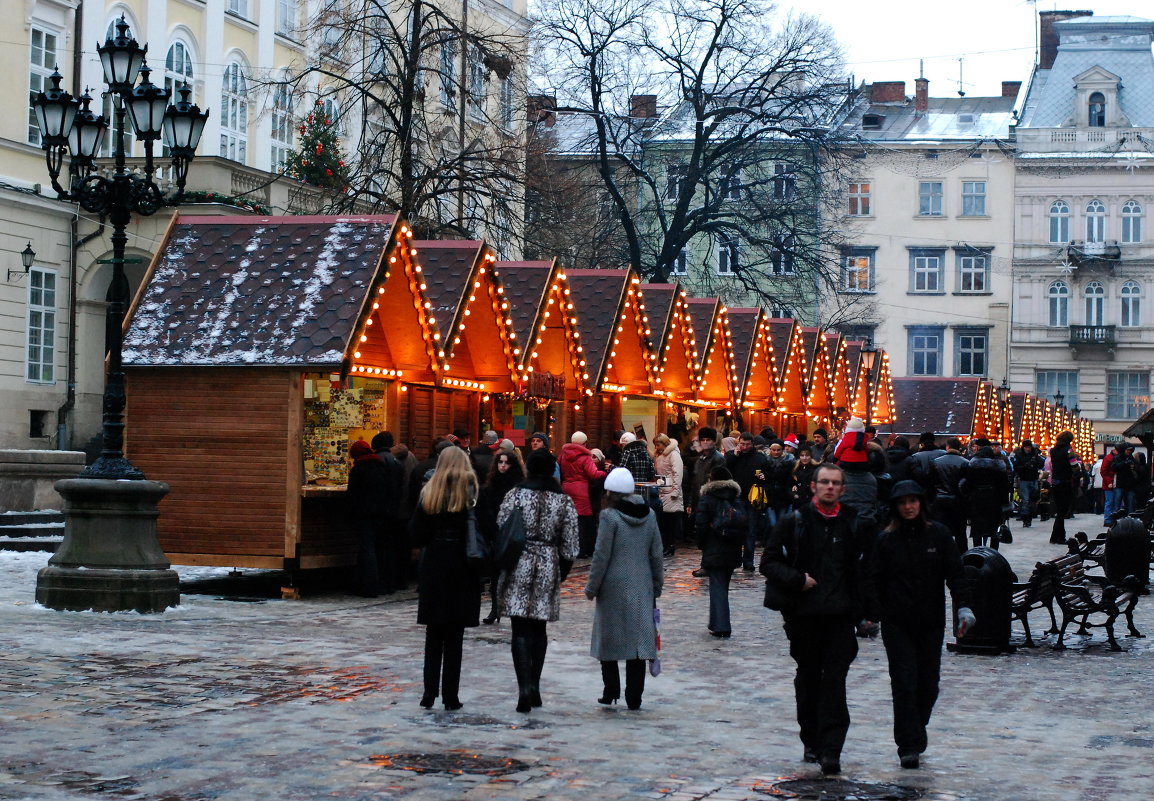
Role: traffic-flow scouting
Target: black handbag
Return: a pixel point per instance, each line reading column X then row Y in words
column 476, row 546
column 511, row 538
column 1004, row 535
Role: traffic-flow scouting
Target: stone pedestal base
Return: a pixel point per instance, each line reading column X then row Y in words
column 110, row 559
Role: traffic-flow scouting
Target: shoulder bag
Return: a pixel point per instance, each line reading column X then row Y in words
column 476, row 547
column 778, row 598
column 511, row 538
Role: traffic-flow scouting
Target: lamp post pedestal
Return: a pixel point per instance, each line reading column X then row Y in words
column 110, row 559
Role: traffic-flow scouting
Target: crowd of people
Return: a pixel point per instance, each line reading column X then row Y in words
column 855, row 537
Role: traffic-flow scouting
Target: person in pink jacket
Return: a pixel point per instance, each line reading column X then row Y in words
column 577, row 470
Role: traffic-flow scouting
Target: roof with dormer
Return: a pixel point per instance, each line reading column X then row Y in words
column 1118, row 45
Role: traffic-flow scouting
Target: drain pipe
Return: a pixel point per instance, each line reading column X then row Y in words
column 63, row 434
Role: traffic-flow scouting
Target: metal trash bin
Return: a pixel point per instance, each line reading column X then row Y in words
column 991, row 585
column 1128, row 552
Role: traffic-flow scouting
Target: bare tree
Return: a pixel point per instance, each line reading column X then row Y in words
column 738, row 168
column 432, row 101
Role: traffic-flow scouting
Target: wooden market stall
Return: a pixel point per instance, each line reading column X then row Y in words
column 789, row 361
column 238, row 353
column 718, row 390
column 817, row 378
column 552, row 371
column 753, row 352
column 678, row 362
column 610, row 319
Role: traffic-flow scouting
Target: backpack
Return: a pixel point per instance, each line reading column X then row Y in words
column 729, row 521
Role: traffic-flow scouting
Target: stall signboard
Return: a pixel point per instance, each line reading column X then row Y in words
column 547, row 385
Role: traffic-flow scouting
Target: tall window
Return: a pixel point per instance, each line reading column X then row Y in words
column 1051, row 382
column 42, row 60
column 1132, row 222
column 1097, row 110
column 971, row 347
column 1131, row 305
column 234, row 114
column 286, row 16
column 781, row 257
column 930, row 198
column 1058, row 296
column 680, row 264
column 177, row 68
column 282, row 126
column 926, row 270
column 859, row 199
column 728, row 254
column 973, row 198
column 926, row 350
column 857, row 270
column 730, row 188
column 238, row 7
column 332, row 108
column 1127, row 394
column 1059, row 222
column 784, row 182
column 41, row 338
column 448, row 60
column 973, row 272
column 1095, row 221
column 676, row 177
column 1095, row 303
column 476, row 84
column 507, row 103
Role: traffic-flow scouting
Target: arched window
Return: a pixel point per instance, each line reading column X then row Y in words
column 1095, row 221
column 1097, row 110
column 282, row 126
column 1059, row 297
column 234, row 114
column 1059, row 222
column 1132, row 222
column 1131, row 305
column 178, row 68
column 1095, row 303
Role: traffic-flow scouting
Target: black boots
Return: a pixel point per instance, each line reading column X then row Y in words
column 612, row 681
column 634, row 682
column 539, row 647
column 522, row 648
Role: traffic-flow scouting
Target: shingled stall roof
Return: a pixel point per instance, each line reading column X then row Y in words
column 609, row 320
column 944, row 406
column 257, row 291
column 544, row 320
column 673, row 339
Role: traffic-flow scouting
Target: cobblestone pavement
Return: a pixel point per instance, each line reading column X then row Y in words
column 317, row 699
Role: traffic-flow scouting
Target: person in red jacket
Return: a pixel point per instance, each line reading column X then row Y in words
column 852, row 451
column 577, row 470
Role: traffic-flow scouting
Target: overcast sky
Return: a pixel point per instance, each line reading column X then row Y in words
column 884, row 39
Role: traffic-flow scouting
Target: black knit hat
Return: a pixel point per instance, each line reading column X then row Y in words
column 540, row 464
column 382, row 441
column 705, row 432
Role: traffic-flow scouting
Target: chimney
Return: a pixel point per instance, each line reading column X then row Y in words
column 541, row 108
column 1011, row 88
column 1048, row 37
column 921, row 94
column 887, row 91
column 642, row 106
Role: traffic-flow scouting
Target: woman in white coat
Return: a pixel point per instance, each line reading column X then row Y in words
column 668, row 465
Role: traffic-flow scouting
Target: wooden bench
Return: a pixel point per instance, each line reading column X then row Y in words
column 1082, row 597
column 1090, row 550
column 1039, row 592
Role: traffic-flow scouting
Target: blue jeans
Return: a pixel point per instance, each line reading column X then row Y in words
column 756, row 532
column 1112, row 506
column 719, row 599
column 1028, row 492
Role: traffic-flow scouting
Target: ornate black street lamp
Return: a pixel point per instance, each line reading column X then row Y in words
column 869, row 355
column 1059, row 399
column 110, row 558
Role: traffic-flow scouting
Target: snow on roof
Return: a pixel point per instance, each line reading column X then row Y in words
column 253, row 291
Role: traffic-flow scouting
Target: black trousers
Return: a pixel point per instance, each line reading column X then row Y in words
column 443, row 646
column 587, row 534
column 915, row 661
column 823, row 649
column 670, row 525
column 951, row 513
column 1061, row 496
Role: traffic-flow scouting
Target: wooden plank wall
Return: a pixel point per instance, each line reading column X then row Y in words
column 224, row 440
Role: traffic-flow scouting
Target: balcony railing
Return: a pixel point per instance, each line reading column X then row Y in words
column 1101, row 335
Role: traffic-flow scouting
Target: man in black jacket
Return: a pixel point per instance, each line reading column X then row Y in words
column 946, row 474
column 748, row 466
column 1028, row 464
column 909, row 563
column 813, row 556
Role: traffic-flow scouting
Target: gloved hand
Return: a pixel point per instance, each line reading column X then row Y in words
column 966, row 621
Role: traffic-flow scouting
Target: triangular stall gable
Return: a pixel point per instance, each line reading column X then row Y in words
column 544, row 323
column 884, row 411
column 753, row 349
column 718, row 387
column 859, row 381
column 674, row 341
column 984, row 422
column 470, row 315
column 1016, row 433
column 789, row 362
column 835, row 348
column 609, row 318
column 818, row 395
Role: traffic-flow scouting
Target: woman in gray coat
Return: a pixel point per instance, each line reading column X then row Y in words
column 625, row 577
